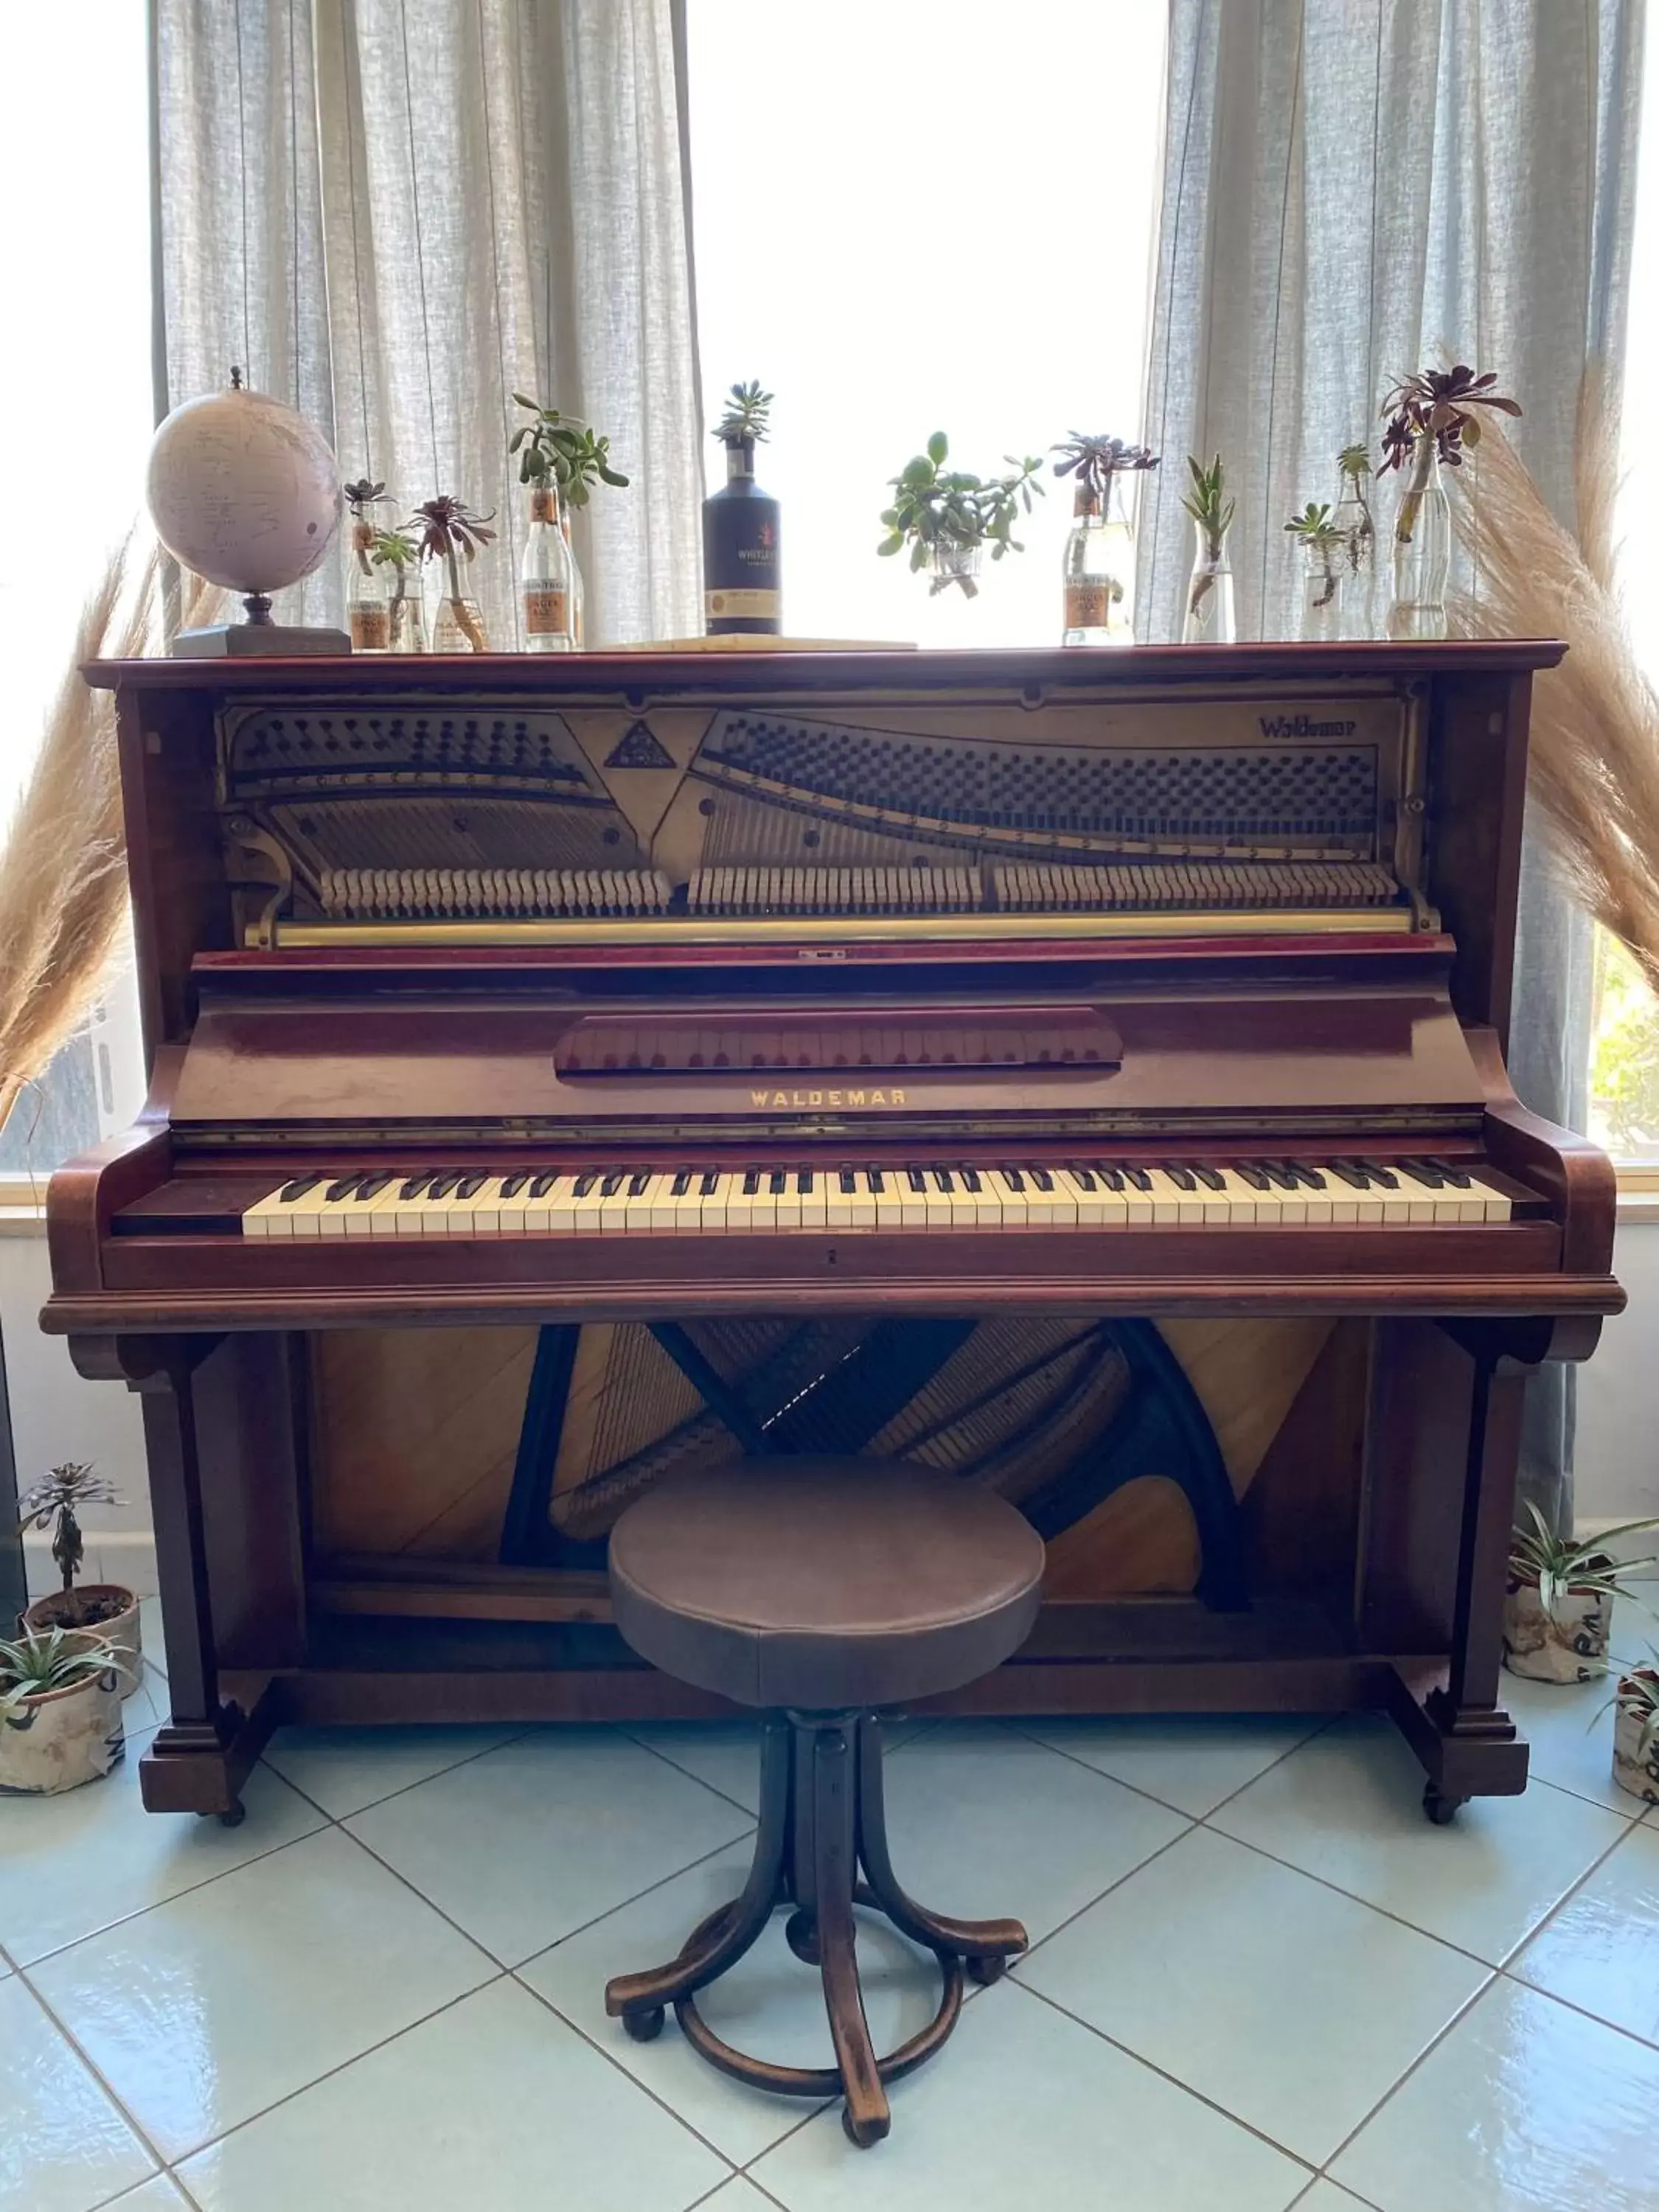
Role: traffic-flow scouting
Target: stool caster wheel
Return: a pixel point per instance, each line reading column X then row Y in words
column 644, row 2027
column 801, row 1932
column 985, row 1971
column 862, row 2133
column 1441, row 1809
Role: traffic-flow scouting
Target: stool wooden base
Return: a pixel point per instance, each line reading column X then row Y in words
column 821, row 1819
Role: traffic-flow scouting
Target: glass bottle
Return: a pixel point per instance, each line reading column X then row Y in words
column 457, row 623
column 405, row 622
column 1099, row 568
column 1351, row 517
column 1422, row 547
column 544, row 577
column 578, row 588
column 1324, row 561
column 742, row 588
column 365, row 594
column 1209, row 619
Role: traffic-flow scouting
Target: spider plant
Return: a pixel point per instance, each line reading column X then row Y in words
column 562, row 448
column 947, row 515
column 1564, row 1567
column 1432, row 413
column 1313, row 529
column 63, row 1494
column 359, row 498
column 38, row 1661
column 747, row 417
column 1094, row 461
column 1212, row 514
column 449, row 532
column 1636, row 1699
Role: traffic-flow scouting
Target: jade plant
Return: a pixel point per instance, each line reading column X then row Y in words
column 947, row 516
column 563, row 449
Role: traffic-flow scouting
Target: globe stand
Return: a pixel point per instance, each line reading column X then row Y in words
column 259, row 637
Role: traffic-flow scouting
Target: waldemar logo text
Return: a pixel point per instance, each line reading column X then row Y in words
column 1303, row 725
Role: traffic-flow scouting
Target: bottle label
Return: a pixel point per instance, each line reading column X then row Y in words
column 546, row 610
column 748, row 605
column 1088, row 606
column 371, row 628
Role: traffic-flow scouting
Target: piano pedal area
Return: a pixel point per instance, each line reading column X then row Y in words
column 762, row 1198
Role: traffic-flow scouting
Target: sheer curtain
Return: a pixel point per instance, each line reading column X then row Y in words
column 1351, row 188
column 395, row 215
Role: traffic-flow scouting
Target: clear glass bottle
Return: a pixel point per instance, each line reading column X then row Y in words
column 544, row 577
column 578, row 588
column 366, row 592
column 1099, row 568
column 1324, row 561
column 1351, row 517
column 457, row 624
column 405, row 617
column 1209, row 619
column 1422, row 547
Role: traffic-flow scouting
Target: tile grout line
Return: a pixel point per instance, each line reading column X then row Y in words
column 1139, row 1789
column 1129, row 1874
column 467, row 1758
column 150, row 2149
column 1398, row 2084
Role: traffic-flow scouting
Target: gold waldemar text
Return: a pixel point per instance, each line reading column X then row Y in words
column 803, row 1099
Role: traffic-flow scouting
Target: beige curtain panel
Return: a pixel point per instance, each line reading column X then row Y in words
column 395, row 213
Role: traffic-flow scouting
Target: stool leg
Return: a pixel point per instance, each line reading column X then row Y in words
column 638, row 2000
column 801, row 1929
column 985, row 1945
column 866, row 2117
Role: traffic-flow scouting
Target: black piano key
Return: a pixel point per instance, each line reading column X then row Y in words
column 751, row 1181
column 1081, row 1176
column 970, row 1181
column 1310, row 1178
column 849, row 1184
column 1182, row 1178
column 441, row 1185
column 877, row 1181
column 1208, row 1177
column 640, row 1184
column 1111, row 1177
column 512, row 1184
column 710, row 1183
column 917, row 1181
column 412, row 1188
column 611, row 1183
column 803, row 1182
column 1014, row 1178
column 1425, row 1171
column 681, row 1184
column 343, row 1187
column 585, row 1183
column 942, row 1181
column 374, row 1184
column 1043, row 1179
column 1449, row 1172
column 298, row 1187
column 1386, row 1177
column 542, row 1184
column 778, row 1184
column 1350, row 1174
column 1280, row 1175
column 1138, row 1177
column 470, row 1185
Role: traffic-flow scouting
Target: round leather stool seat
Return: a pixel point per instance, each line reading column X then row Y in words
column 825, row 1584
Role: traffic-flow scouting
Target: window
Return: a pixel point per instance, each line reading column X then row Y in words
column 75, row 395
column 864, row 184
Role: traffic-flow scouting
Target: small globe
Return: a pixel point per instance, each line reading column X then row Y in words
column 243, row 491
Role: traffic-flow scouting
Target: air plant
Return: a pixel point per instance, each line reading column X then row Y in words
column 1564, row 1567
column 450, row 532
column 1314, row 528
column 1212, row 513
column 562, row 448
column 359, row 498
column 746, row 420
column 1094, row 461
column 947, row 515
column 63, row 1494
column 1430, row 413
column 38, row 1661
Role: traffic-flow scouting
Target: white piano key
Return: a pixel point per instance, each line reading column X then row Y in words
column 1495, row 1204
column 1013, row 1200
column 1242, row 1201
column 815, row 1203
column 890, row 1200
column 1172, row 1206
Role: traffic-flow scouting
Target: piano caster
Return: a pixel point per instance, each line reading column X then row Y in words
column 1441, row 1809
column 232, row 1817
column 644, row 2027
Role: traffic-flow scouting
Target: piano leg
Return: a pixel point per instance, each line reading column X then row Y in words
column 200, row 1757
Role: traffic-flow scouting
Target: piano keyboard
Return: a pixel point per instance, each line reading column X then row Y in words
column 766, row 1199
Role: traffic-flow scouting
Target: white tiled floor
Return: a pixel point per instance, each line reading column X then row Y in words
column 1259, row 1980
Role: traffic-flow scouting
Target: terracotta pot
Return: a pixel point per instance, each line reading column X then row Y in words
column 1568, row 1644
column 120, row 1631
column 64, row 1738
column 1631, row 1771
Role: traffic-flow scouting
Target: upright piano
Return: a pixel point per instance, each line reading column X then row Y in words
column 1081, row 1071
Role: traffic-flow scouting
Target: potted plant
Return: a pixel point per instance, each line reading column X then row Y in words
column 449, row 532
column 1428, row 419
column 1558, row 1608
column 561, row 459
column 60, row 1711
column 1636, row 1733
column 948, row 517
column 1209, row 619
column 1322, row 563
column 397, row 553
column 105, row 1610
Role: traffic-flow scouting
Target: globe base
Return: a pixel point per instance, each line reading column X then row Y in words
column 259, row 638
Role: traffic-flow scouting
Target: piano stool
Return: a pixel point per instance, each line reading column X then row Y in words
column 823, row 1590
